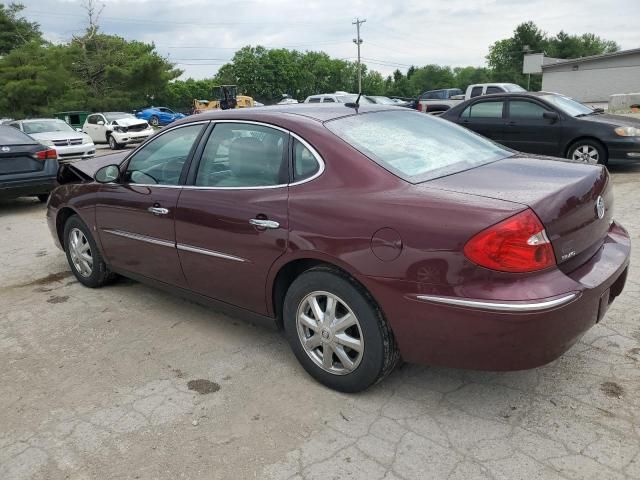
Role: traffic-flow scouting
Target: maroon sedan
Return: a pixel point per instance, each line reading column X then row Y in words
column 369, row 234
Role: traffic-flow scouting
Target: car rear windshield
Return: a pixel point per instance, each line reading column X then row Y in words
column 13, row 136
column 415, row 146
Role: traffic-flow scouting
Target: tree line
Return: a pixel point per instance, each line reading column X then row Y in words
column 99, row 72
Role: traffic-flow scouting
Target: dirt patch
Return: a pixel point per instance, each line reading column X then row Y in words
column 57, row 299
column 54, row 277
column 203, row 386
column 612, row 389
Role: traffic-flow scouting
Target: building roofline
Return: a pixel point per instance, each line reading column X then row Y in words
column 573, row 61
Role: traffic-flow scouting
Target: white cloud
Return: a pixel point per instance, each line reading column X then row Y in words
column 418, row 32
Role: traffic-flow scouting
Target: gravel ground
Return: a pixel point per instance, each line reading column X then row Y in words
column 127, row 382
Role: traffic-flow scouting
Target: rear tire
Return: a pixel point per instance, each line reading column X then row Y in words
column 361, row 354
column 83, row 255
column 154, row 121
column 588, row 151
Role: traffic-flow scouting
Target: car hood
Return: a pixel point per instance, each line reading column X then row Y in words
column 614, row 120
column 91, row 166
column 57, row 135
column 128, row 122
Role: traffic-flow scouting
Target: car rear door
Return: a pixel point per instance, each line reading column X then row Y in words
column 232, row 221
column 136, row 216
column 486, row 117
column 528, row 131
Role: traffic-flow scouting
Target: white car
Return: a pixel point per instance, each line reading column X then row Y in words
column 116, row 128
column 338, row 97
column 69, row 144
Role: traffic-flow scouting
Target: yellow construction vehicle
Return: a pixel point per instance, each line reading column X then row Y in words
column 227, row 99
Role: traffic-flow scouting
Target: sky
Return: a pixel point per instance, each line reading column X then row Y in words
column 201, row 35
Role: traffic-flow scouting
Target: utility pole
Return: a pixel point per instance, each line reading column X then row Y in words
column 358, row 42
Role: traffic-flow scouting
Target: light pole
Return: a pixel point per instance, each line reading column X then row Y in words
column 358, row 42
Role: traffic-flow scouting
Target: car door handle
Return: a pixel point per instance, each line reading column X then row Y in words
column 258, row 222
column 158, row 210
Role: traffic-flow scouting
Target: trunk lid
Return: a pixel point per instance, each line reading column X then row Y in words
column 19, row 159
column 563, row 194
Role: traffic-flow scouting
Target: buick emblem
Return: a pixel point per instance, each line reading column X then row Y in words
column 600, row 207
column 6, row 149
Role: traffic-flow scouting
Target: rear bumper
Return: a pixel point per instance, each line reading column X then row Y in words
column 26, row 187
column 498, row 334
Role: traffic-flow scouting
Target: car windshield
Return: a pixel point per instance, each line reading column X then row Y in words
column 414, row 146
column 42, row 126
column 512, row 87
column 568, row 105
column 352, row 98
column 13, row 136
column 111, row 116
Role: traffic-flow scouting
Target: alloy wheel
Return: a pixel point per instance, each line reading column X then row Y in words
column 586, row 154
column 330, row 333
column 80, row 252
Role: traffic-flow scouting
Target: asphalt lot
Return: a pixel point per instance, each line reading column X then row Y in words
column 95, row 384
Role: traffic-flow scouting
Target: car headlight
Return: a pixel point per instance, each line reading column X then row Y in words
column 628, row 131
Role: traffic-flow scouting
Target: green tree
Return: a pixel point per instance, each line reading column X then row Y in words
column 15, row 30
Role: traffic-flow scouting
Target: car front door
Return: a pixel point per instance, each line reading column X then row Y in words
column 136, row 215
column 485, row 117
column 232, row 221
column 529, row 131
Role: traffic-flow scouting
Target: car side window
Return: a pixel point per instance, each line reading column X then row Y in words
column 476, row 92
column 494, row 90
column 328, row 100
column 305, row 164
column 523, row 109
column 314, row 100
column 93, row 119
column 243, row 155
column 484, row 110
column 161, row 160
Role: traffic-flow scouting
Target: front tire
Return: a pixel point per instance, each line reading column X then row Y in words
column 83, row 255
column 337, row 332
column 113, row 145
column 588, row 151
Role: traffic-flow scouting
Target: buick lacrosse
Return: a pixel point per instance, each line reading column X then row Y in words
column 369, row 234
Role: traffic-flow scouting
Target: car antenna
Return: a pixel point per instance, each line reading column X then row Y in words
column 355, row 104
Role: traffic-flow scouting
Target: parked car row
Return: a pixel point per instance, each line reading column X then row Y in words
column 438, row 101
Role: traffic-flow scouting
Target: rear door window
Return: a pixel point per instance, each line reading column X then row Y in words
column 305, row 164
column 491, row 109
column 314, row 100
column 494, row 90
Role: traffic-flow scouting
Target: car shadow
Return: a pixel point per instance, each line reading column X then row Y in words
column 20, row 205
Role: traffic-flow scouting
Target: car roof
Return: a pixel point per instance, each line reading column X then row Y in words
column 29, row 120
column 318, row 112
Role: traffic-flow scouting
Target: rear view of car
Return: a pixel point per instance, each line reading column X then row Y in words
column 27, row 168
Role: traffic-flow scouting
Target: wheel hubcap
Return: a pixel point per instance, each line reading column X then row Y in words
column 586, row 154
column 80, row 252
column 330, row 333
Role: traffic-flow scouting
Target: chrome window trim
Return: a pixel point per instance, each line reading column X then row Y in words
column 139, row 237
column 211, row 253
column 313, row 151
column 531, row 306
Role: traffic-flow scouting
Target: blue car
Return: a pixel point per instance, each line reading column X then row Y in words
column 157, row 116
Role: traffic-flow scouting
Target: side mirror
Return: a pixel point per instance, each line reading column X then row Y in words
column 107, row 174
column 100, row 122
column 78, row 129
column 553, row 116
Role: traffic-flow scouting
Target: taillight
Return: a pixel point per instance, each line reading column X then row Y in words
column 419, row 107
column 47, row 154
column 517, row 244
